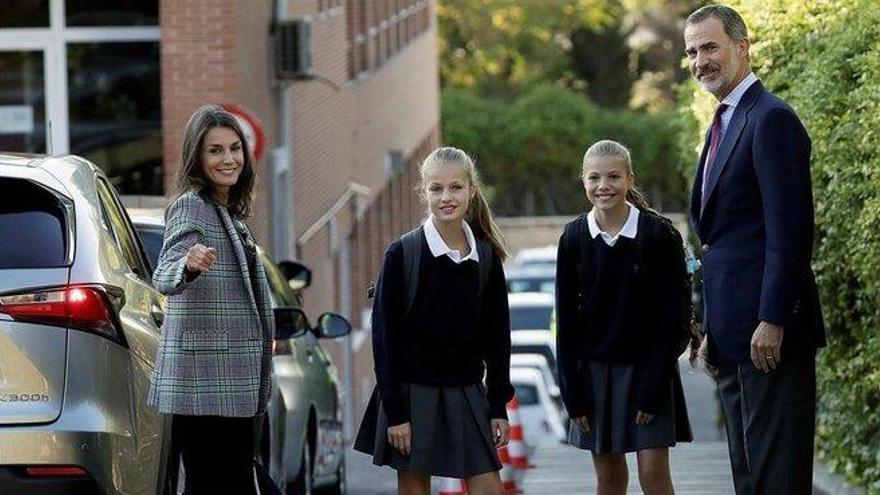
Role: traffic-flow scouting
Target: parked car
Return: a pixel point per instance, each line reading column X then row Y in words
column 531, row 310
column 303, row 443
column 536, row 342
column 79, row 330
column 531, row 279
column 538, row 362
column 536, row 257
column 541, row 419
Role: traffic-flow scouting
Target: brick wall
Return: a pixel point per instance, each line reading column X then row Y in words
column 198, row 66
column 344, row 128
column 215, row 52
column 376, row 92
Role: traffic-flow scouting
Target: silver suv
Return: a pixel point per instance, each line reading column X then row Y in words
column 79, row 327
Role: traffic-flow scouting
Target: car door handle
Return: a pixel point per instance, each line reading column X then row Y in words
column 157, row 314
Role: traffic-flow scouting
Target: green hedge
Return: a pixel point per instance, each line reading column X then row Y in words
column 540, row 137
column 823, row 57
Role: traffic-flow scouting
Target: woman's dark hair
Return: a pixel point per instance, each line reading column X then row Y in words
column 191, row 177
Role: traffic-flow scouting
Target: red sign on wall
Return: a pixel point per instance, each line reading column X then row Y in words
column 251, row 126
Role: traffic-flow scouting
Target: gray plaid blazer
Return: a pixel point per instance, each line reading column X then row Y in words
column 215, row 354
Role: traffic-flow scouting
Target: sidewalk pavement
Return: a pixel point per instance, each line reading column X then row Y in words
column 699, row 468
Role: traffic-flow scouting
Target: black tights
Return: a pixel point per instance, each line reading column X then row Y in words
column 218, row 454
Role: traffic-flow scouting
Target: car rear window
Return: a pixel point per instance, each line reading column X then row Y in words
column 151, row 239
column 545, row 285
column 33, row 226
column 526, row 395
column 530, row 317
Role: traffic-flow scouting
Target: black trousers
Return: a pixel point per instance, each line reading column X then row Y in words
column 217, row 453
column 771, row 422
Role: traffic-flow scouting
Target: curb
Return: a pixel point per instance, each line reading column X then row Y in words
column 826, row 483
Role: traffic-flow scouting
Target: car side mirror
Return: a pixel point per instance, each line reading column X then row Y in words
column 290, row 323
column 332, row 325
column 299, row 276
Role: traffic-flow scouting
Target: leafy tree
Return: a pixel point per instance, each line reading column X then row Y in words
column 530, row 151
column 499, row 47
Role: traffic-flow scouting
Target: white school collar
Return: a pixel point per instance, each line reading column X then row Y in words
column 439, row 247
column 629, row 230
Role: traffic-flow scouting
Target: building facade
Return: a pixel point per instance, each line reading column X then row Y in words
column 115, row 81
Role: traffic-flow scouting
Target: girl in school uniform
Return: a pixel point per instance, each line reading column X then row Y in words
column 432, row 416
column 617, row 316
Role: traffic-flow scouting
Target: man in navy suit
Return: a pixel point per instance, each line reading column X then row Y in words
column 752, row 208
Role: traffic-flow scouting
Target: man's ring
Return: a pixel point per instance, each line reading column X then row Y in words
column 769, row 356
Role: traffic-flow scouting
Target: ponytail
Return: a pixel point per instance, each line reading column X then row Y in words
column 478, row 215
column 639, row 200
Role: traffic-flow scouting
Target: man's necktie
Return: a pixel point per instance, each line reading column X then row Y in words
column 714, row 143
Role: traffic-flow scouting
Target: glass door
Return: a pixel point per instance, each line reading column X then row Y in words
column 22, row 101
column 83, row 77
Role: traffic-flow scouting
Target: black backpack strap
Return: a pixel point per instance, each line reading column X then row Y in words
column 651, row 229
column 485, row 252
column 584, row 242
column 412, row 253
column 639, row 244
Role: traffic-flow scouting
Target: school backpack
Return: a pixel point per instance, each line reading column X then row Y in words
column 686, row 328
column 412, row 243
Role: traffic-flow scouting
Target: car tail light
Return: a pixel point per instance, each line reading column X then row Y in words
column 55, row 471
column 91, row 308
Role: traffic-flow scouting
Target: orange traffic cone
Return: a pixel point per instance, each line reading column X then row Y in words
column 451, row 486
column 519, row 457
column 508, row 475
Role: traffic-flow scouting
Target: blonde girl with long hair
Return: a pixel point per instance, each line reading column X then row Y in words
column 618, row 314
column 431, row 414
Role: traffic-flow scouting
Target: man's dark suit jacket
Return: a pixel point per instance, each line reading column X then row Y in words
column 756, row 227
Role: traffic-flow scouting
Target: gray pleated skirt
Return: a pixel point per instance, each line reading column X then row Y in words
column 451, row 433
column 613, row 428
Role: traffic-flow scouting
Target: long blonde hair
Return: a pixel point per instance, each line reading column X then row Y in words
column 478, row 214
column 609, row 148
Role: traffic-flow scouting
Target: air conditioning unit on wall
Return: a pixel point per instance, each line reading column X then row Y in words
column 293, row 49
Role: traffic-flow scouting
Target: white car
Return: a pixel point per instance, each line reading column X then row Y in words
column 542, row 256
column 538, row 362
column 535, row 342
column 540, row 417
column 531, row 310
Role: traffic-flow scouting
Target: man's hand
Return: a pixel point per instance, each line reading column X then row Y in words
column 767, row 346
column 400, row 437
column 701, row 360
column 583, row 422
column 500, row 432
column 200, row 259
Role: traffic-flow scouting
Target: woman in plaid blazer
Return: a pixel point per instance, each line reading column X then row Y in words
column 214, row 360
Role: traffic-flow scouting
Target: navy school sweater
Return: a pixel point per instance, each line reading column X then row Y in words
column 450, row 338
